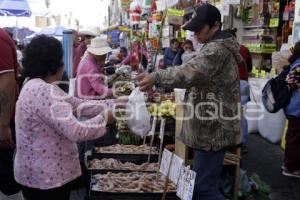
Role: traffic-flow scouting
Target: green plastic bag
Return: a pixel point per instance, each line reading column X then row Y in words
column 259, row 185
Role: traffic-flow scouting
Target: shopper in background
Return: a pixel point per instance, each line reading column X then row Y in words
column 89, row 83
column 188, row 51
column 46, row 162
column 124, row 40
column 138, row 55
column 171, row 52
column 85, row 36
column 123, row 53
column 212, row 83
column 110, row 66
column 291, row 166
column 246, row 67
column 20, row 51
column 113, row 60
column 8, row 96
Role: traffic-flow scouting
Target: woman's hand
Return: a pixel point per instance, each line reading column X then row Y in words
column 293, row 80
column 290, row 79
column 109, row 117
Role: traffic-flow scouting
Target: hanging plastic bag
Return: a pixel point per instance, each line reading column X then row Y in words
column 138, row 117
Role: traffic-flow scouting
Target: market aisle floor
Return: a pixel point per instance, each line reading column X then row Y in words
column 78, row 195
column 265, row 159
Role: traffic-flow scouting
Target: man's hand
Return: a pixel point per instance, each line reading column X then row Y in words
column 121, row 102
column 6, row 138
column 146, row 81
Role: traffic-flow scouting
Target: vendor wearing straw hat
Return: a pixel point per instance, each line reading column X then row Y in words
column 85, row 39
column 90, row 74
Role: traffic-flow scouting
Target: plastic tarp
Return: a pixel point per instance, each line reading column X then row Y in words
column 18, row 8
column 38, row 7
column 53, row 31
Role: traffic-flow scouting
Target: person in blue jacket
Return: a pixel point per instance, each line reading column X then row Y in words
column 291, row 166
column 171, row 53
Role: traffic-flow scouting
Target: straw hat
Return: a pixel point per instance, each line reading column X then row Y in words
column 91, row 30
column 99, row 46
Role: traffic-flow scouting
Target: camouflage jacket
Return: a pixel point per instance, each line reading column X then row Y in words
column 212, row 101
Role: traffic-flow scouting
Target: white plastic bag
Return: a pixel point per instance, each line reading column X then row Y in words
column 125, row 69
column 256, row 86
column 138, row 117
column 253, row 113
column 280, row 59
column 272, row 125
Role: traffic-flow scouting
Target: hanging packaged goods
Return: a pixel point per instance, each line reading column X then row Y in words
column 125, row 4
column 183, row 4
column 261, row 48
column 260, row 35
column 175, row 16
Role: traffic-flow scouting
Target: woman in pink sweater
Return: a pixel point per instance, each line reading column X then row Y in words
column 90, row 74
column 46, row 161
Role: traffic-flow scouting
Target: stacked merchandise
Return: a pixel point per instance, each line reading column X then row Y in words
column 121, row 80
column 129, row 171
column 288, row 20
column 261, row 20
column 123, row 172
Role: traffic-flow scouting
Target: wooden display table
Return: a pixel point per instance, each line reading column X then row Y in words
column 232, row 158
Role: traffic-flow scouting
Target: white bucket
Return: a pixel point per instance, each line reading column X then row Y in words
column 179, row 95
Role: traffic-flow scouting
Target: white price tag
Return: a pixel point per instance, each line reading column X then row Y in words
column 176, row 166
column 162, row 128
column 165, row 162
column 191, row 185
column 152, row 131
column 180, row 184
column 186, row 183
column 166, row 31
column 153, row 31
column 225, row 9
column 165, row 42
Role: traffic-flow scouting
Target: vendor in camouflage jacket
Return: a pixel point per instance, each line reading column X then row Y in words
column 212, row 100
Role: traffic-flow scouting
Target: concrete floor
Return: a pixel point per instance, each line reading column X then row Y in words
column 266, row 159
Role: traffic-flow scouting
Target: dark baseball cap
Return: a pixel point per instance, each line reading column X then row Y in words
column 205, row 14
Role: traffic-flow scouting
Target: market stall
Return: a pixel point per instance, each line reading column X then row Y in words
column 145, row 158
column 137, row 159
